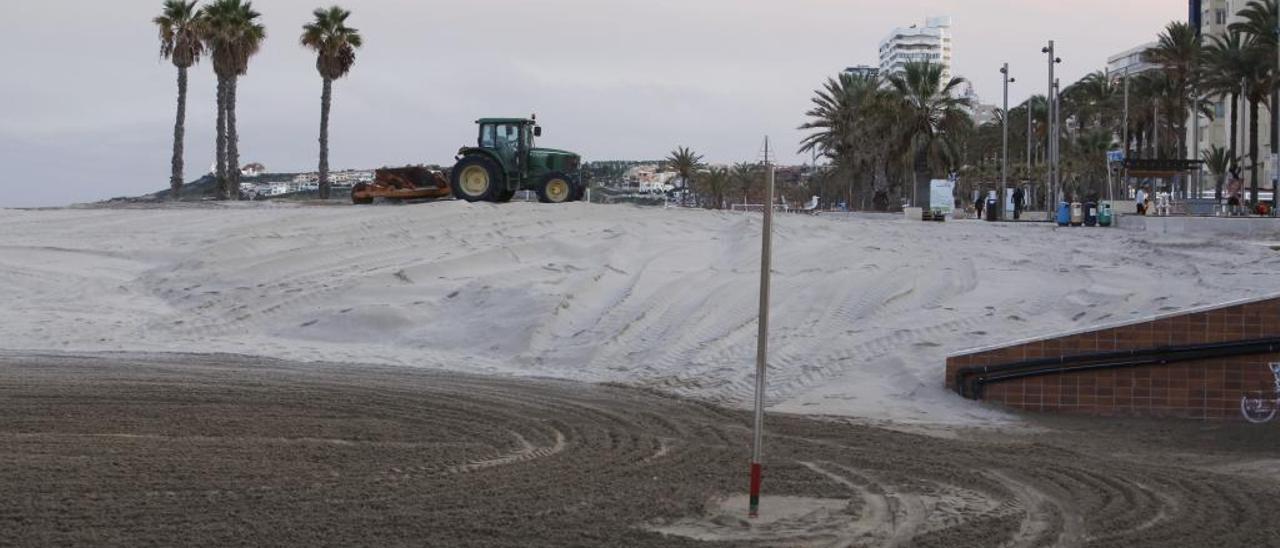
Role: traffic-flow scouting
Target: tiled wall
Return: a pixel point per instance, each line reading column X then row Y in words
column 1198, row 389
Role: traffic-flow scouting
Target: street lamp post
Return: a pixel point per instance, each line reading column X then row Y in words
column 1051, row 153
column 1275, row 126
column 1124, row 180
column 1028, row 178
column 1004, row 164
column 1057, row 134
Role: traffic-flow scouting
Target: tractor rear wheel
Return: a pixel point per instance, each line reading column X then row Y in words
column 555, row 188
column 475, row 179
column 360, row 187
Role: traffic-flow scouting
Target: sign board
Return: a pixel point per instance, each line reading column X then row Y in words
column 942, row 195
column 1115, row 156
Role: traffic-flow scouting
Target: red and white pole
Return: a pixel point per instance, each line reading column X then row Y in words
column 762, row 338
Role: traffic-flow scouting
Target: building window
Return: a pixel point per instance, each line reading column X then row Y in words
column 1220, row 16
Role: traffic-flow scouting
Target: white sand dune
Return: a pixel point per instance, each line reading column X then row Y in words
column 864, row 313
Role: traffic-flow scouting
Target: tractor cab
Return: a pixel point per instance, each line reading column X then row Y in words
column 506, row 159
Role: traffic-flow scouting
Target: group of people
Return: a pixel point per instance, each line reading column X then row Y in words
column 1144, row 197
column 1018, row 198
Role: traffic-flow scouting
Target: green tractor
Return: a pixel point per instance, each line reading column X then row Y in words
column 505, row 160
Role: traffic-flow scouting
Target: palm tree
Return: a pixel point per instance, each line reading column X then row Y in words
column 1257, row 86
column 233, row 35
column 745, row 176
column 852, row 115
column 335, row 45
column 1219, row 161
column 180, row 43
column 1177, row 53
column 932, row 115
column 1228, row 61
column 1092, row 101
column 1259, row 19
column 685, row 162
column 714, row 184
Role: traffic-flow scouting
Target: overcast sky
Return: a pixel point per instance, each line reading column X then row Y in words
column 87, row 106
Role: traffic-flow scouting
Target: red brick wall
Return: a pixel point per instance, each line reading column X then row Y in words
column 1207, row 389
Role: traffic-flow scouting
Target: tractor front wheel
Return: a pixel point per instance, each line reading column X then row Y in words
column 360, row 187
column 475, row 179
column 555, row 188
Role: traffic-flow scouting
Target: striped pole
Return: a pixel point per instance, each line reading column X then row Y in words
column 762, row 337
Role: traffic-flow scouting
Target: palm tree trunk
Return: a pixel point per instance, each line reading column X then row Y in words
column 325, row 96
column 220, row 171
column 921, row 192
column 1235, row 128
column 233, row 143
column 175, row 178
column 1253, row 153
column 1275, row 146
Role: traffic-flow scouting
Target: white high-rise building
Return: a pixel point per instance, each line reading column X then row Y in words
column 1215, row 17
column 1131, row 61
column 863, row 71
column 915, row 43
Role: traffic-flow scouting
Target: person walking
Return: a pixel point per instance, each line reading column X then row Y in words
column 1018, row 197
column 979, row 203
column 1140, row 197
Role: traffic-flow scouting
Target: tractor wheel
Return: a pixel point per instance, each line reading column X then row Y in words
column 475, row 179
column 505, row 196
column 358, row 200
column 555, row 188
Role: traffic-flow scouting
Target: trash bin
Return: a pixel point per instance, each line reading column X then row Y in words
column 1090, row 214
column 1104, row 214
column 1077, row 214
column 992, row 208
column 1064, row 214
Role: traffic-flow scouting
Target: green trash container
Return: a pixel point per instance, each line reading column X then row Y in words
column 1104, row 214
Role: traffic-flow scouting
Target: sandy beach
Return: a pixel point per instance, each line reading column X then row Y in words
column 865, row 310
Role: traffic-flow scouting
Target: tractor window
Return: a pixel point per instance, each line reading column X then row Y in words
column 486, row 136
column 508, row 137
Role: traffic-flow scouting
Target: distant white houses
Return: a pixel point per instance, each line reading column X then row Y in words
column 648, row 179
column 304, row 182
column 253, row 170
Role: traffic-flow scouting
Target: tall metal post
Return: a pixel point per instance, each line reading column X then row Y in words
column 1051, row 103
column 1275, row 125
column 762, row 337
column 1195, row 140
column 1155, row 130
column 1125, row 130
column 1029, row 139
column 1004, row 163
column 1055, row 138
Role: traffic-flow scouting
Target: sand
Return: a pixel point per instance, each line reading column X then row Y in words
column 200, row 450
column 865, row 310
